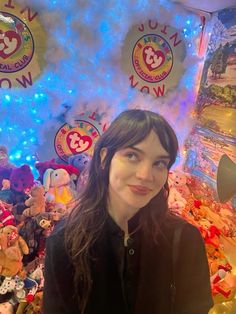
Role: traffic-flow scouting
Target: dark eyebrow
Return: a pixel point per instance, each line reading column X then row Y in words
column 142, row 152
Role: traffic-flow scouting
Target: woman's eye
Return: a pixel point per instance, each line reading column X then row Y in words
column 132, row 156
column 161, row 164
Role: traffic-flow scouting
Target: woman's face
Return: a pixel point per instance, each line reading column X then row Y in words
column 137, row 174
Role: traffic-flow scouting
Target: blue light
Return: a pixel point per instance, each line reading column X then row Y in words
column 18, row 154
column 32, row 139
column 104, row 27
column 7, row 97
column 36, row 96
column 188, row 22
column 25, row 143
column 28, row 158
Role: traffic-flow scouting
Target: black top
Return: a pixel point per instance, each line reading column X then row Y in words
column 135, row 279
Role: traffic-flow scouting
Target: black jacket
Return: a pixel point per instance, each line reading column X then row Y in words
column 137, row 279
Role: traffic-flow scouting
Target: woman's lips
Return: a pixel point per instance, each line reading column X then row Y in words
column 138, row 189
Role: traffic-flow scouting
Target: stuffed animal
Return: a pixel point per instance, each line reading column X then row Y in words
column 52, row 164
column 21, row 179
column 6, row 308
column 6, row 184
column 5, row 174
column 179, row 181
column 176, row 202
column 6, row 217
column 36, row 202
column 81, row 162
column 35, row 307
column 57, row 186
column 10, row 259
column 33, row 231
column 4, row 159
column 15, row 240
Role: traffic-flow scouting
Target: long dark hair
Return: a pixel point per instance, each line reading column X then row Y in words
column 86, row 221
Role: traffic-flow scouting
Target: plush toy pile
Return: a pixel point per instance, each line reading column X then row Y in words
column 193, row 199
column 29, row 210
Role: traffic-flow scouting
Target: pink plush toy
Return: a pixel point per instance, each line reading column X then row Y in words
column 176, row 201
column 179, row 180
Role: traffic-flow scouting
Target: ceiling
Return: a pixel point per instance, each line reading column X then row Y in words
column 208, row 5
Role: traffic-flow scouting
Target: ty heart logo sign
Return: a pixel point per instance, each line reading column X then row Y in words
column 16, row 47
column 78, row 143
column 10, row 42
column 77, row 139
column 153, row 58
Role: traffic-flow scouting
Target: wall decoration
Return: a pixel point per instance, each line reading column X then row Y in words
column 215, row 131
column 22, row 45
column 79, row 138
column 152, row 56
column 82, row 65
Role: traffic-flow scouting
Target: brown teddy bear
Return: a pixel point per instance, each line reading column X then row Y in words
column 10, row 258
column 36, row 202
column 15, row 240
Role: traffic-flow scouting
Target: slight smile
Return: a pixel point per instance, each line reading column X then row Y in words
column 139, row 189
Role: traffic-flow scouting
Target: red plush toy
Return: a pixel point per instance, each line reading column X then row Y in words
column 6, row 217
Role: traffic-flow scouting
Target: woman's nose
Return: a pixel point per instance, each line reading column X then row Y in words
column 144, row 172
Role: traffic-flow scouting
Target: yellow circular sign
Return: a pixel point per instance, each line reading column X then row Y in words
column 22, row 45
column 152, row 58
column 16, row 43
column 71, row 140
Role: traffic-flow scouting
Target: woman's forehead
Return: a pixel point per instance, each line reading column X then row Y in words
column 151, row 145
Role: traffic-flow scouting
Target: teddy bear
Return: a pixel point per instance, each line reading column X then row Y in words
column 15, row 240
column 21, row 179
column 180, row 182
column 36, row 202
column 81, row 162
column 33, row 231
column 10, row 259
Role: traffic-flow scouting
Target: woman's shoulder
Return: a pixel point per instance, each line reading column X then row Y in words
column 174, row 222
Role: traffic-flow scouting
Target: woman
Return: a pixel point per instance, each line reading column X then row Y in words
column 118, row 251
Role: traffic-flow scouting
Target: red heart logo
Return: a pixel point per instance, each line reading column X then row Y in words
column 10, row 42
column 78, row 143
column 153, row 58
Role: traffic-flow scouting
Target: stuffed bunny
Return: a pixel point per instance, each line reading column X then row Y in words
column 57, row 185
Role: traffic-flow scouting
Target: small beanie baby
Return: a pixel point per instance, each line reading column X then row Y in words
column 4, row 159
